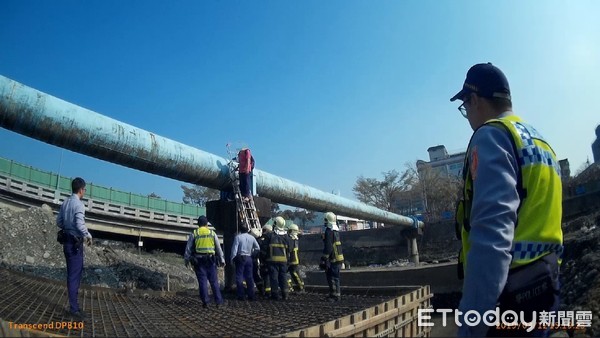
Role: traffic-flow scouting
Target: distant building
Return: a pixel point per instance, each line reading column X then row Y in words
column 587, row 181
column 565, row 169
column 408, row 203
column 443, row 162
column 412, row 203
column 596, row 146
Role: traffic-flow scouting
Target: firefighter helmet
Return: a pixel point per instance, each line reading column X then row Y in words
column 330, row 219
column 255, row 232
column 279, row 222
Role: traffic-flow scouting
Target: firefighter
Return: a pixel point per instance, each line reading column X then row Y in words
column 332, row 258
column 297, row 283
column 264, row 267
column 277, row 254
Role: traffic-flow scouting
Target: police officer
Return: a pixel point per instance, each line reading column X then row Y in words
column 510, row 215
column 264, row 267
column 297, row 282
column 203, row 251
column 277, row 253
column 71, row 221
column 333, row 257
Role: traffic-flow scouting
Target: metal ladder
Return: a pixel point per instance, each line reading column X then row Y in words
column 246, row 209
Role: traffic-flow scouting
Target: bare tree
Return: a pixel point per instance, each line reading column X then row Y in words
column 198, row 195
column 299, row 216
column 154, row 195
column 275, row 210
column 382, row 193
column 287, row 214
column 582, row 167
column 303, row 216
column 440, row 191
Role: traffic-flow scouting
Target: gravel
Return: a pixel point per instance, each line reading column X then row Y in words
column 30, row 245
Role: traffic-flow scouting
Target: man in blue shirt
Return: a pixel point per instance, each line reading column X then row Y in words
column 71, row 220
column 243, row 249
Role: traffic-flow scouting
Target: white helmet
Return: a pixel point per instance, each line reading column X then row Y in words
column 267, row 228
column 279, row 222
column 331, row 221
column 255, row 232
column 293, row 228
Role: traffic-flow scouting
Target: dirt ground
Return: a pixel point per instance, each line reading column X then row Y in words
column 29, row 245
column 580, row 271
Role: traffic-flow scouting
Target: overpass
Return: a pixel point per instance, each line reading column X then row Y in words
column 107, row 209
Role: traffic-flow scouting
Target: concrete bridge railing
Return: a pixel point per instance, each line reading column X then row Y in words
column 106, row 216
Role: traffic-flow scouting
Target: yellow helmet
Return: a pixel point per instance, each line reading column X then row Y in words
column 279, row 222
column 267, row 228
column 330, row 218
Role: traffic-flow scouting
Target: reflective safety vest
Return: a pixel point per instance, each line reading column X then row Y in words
column 538, row 228
column 204, row 239
column 277, row 249
column 294, row 259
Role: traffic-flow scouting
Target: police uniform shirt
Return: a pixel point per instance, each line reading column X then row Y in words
column 493, row 217
column 244, row 245
column 71, row 217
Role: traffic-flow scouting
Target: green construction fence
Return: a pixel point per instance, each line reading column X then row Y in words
column 96, row 192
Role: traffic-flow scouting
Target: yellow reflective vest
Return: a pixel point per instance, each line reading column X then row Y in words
column 204, row 239
column 538, row 229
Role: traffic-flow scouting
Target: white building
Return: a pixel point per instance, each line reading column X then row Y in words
column 441, row 161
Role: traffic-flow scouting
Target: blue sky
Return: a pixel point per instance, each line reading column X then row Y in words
column 322, row 92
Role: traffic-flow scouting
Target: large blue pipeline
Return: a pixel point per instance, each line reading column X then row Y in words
column 49, row 119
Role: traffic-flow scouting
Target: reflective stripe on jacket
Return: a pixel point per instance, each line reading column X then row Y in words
column 278, row 248
column 332, row 246
column 294, row 259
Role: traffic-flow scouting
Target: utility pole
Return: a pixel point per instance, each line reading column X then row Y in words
column 56, row 191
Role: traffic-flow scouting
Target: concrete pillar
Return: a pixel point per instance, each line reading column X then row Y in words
column 223, row 216
column 411, row 235
column 413, row 251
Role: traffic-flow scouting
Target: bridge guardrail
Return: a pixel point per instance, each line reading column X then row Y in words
column 97, row 193
column 47, row 195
